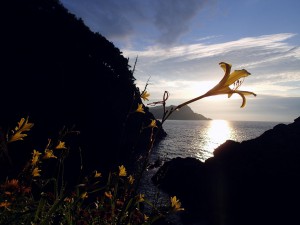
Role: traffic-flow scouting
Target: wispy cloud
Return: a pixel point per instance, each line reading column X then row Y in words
column 270, row 58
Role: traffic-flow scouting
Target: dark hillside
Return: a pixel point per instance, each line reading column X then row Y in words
column 185, row 113
column 59, row 73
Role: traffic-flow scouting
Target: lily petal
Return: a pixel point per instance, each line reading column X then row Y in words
column 242, row 94
column 227, row 68
column 236, row 75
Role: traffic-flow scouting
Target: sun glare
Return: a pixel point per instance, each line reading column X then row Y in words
column 218, row 132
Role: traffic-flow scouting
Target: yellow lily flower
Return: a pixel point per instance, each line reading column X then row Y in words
column 146, row 217
column 49, row 154
column 61, row 145
column 140, row 108
column 153, row 124
column 35, row 157
column 145, row 96
column 223, row 86
column 97, row 174
column 122, row 171
column 23, row 126
column 141, row 198
column 36, row 172
column 176, row 204
column 4, row 204
column 231, row 78
column 84, row 195
column 130, row 179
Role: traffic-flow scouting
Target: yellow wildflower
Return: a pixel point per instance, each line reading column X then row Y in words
column 223, row 86
column 146, row 217
column 61, row 145
column 36, row 172
column 141, row 198
column 122, row 171
column 140, row 108
column 97, row 174
column 231, row 78
column 84, row 195
column 35, row 157
column 145, row 96
column 23, row 126
column 130, row 179
column 4, row 204
column 49, row 154
column 153, row 124
column 108, row 194
column 176, row 204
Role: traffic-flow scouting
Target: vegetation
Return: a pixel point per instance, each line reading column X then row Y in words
column 35, row 198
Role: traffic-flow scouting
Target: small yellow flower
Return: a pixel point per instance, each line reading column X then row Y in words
column 145, row 96
column 4, row 204
column 141, row 198
column 153, row 124
column 61, row 145
column 140, row 108
column 97, row 174
column 36, row 172
column 23, row 126
column 35, row 157
column 49, row 154
column 122, row 171
column 108, row 194
column 84, row 195
column 176, row 204
column 146, row 217
column 130, row 179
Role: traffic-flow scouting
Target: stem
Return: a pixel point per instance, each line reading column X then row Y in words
column 181, row 105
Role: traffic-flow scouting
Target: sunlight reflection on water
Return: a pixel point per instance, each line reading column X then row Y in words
column 200, row 138
column 216, row 133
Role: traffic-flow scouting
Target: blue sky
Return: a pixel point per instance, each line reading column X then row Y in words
column 179, row 45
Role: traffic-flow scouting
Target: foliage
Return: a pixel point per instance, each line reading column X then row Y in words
column 35, row 198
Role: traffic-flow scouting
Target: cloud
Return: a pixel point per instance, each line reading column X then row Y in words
column 165, row 21
column 271, row 59
column 172, row 17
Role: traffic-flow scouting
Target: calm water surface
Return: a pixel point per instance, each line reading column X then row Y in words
column 199, row 138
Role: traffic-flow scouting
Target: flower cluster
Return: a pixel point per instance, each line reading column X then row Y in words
column 98, row 199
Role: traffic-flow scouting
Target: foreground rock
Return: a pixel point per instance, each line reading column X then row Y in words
column 253, row 182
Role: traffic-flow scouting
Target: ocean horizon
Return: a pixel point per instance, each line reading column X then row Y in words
column 199, row 138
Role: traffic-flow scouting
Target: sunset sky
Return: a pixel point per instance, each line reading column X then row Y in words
column 179, row 45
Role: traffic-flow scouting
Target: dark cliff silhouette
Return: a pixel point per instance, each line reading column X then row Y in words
column 252, row 182
column 59, row 73
column 185, row 113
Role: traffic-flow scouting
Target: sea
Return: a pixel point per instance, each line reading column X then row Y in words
column 198, row 139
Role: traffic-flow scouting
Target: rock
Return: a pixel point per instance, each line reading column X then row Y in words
column 252, row 182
